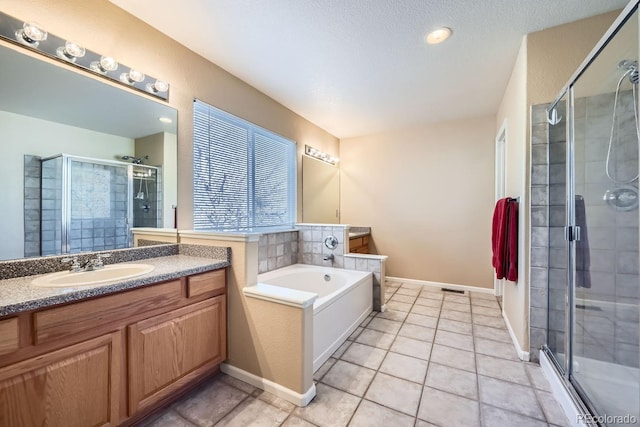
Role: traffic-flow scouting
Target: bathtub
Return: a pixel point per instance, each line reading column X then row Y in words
column 345, row 299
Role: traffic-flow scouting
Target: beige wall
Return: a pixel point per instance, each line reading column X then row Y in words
column 512, row 114
column 554, row 54
column 102, row 27
column 427, row 193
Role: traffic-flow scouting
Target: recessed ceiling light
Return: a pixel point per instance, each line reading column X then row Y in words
column 438, row 36
column 165, row 119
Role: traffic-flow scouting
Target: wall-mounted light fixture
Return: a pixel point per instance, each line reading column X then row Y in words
column 317, row 154
column 34, row 37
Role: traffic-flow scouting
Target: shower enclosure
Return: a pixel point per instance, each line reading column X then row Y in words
column 593, row 287
column 91, row 204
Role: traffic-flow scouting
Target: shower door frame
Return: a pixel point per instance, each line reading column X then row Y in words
column 572, row 232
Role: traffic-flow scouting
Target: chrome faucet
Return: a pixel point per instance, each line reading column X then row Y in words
column 329, row 257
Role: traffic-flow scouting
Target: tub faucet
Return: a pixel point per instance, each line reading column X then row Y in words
column 329, row 257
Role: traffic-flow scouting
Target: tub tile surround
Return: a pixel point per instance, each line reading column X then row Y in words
column 380, row 377
column 277, row 250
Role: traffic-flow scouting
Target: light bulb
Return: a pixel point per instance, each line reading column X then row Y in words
column 105, row 64
column 438, row 36
column 158, row 86
column 133, row 76
column 31, row 34
column 71, row 51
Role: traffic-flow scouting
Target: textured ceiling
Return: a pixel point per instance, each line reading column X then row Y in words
column 357, row 67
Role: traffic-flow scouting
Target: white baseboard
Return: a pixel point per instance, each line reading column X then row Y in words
column 267, row 385
column 560, row 392
column 441, row 285
column 523, row 355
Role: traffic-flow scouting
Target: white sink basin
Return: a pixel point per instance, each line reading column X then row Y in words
column 106, row 274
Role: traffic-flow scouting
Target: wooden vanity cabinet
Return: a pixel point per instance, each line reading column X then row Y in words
column 359, row 245
column 110, row 360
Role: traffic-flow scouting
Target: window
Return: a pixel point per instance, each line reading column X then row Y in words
column 244, row 177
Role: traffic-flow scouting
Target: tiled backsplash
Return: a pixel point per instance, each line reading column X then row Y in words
column 312, row 250
column 277, row 250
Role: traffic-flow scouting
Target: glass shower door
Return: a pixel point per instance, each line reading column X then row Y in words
column 558, row 246
column 604, row 219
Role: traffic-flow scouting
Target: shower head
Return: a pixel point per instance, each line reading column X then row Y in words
column 135, row 160
column 631, row 68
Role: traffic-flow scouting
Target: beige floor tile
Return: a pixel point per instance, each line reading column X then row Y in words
column 330, row 407
column 411, row 347
column 429, row 302
column 405, row 367
column 483, row 295
column 494, row 334
column 502, row 369
column 389, row 314
column 209, row 404
column 385, row 325
column 432, row 293
column 552, row 410
column 448, row 305
column 366, row 321
column 340, row 351
column 420, row 320
column 420, row 423
column 459, row 316
column 273, row 400
column 487, row 311
column 492, row 321
column 407, row 299
column 348, row 377
column 409, row 292
column 355, row 333
column 451, row 339
column 492, row 416
column 317, row 375
column 395, row 393
column 234, row 382
column 452, row 380
column 457, row 298
column 417, row 332
column 509, row 396
column 364, row 355
column 536, row 376
column 294, row 421
column 169, row 418
column 496, row 349
column 453, row 357
column 455, row 326
column 478, row 302
column 446, row 409
column 370, row 414
column 376, row 338
column 254, row 412
column 398, row 306
column 391, row 284
column 425, row 311
column 411, row 286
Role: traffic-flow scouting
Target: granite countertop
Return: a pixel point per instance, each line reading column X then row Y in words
column 18, row 294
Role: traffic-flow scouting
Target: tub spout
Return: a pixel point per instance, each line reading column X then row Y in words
column 329, row 257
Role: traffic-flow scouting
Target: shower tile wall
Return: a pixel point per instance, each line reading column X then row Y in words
column 606, row 314
column 32, row 187
column 311, row 248
column 147, row 210
column 277, row 250
column 99, row 207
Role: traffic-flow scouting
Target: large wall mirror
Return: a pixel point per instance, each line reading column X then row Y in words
column 82, row 162
column 320, row 191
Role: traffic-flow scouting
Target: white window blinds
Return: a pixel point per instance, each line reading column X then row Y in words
column 244, row 177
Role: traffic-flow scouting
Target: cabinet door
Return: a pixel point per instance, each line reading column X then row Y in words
column 169, row 350
column 75, row 386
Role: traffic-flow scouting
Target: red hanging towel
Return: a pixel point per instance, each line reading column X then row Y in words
column 504, row 239
column 497, row 237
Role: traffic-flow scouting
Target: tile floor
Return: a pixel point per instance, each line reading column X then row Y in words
column 433, row 359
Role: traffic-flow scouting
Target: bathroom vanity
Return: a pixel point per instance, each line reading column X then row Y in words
column 110, row 354
column 359, row 240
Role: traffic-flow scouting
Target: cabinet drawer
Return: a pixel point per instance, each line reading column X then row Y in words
column 355, row 243
column 8, row 335
column 71, row 319
column 212, row 282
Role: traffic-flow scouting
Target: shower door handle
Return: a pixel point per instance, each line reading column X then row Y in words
column 572, row 232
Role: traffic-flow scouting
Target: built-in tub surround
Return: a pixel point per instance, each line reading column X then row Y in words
column 311, row 247
column 277, row 250
column 343, row 301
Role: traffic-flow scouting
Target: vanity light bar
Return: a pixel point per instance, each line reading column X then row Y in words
column 32, row 36
column 317, row 154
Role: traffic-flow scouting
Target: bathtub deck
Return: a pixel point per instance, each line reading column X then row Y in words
column 433, row 359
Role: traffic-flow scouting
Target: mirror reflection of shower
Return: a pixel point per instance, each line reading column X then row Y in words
column 624, row 195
